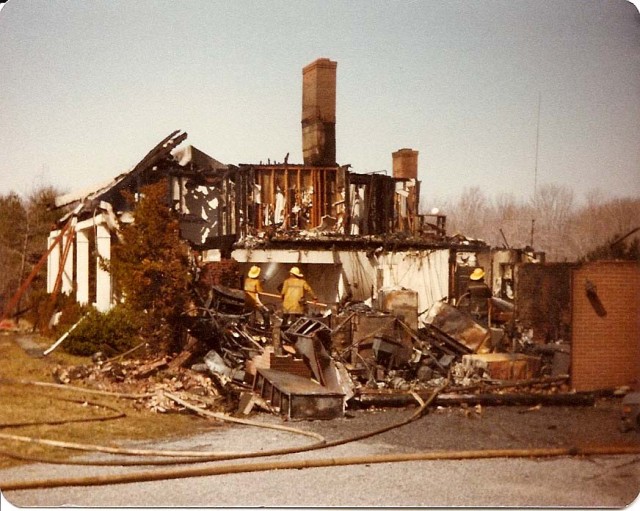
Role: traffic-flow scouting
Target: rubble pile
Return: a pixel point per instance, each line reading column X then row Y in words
column 350, row 355
column 148, row 380
column 358, row 352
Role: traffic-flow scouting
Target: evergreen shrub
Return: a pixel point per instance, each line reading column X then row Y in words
column 111, row 332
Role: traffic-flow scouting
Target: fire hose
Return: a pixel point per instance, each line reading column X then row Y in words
column 200, row 456
column 313, row 302
column 316, row 463
column 115, row 450
column 313, row 463
column 196, row 457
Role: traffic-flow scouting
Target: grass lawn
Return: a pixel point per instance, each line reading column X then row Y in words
column 20, row 404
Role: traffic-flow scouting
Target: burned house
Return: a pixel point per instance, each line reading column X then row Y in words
column 395, row 287
column 352, row 234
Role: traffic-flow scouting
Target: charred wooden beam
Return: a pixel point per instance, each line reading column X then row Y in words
column 400, row 399
column 445, row 342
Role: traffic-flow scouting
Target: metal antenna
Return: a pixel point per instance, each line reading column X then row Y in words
column 535, row 168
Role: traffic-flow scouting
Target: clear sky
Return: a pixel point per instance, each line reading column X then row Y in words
column 87, row 88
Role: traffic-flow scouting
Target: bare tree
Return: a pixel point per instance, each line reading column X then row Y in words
column 510, row 222
column 600, row 221
column 552, row 210
column 551, row 221
column 469, row 214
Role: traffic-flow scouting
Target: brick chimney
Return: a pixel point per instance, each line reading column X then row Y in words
column 405, row 163
column 319, row 113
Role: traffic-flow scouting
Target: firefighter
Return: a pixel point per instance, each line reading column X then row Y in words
column 479, row 295
column 293, row 293
column 252, row 290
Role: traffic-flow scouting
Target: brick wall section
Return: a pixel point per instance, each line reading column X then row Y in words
column 606, row 347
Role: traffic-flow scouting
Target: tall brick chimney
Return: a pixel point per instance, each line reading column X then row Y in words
column 319, row 113
column 405, row 163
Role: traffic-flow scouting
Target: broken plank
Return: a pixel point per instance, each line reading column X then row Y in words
column 150, row 368
column 182, row 359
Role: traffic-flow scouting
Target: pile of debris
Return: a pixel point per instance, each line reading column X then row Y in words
column 321, row 364
column 352, row 355
column 146, row 380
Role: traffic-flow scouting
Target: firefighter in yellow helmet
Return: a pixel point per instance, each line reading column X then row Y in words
column 252, row 290
column 293, row 292
column 479, row 295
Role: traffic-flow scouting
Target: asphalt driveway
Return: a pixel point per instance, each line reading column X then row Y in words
column 575, row 481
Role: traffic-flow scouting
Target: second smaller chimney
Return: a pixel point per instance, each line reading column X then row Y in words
column 405, row 163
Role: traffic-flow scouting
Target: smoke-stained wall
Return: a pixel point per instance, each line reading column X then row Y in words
column 355, row 275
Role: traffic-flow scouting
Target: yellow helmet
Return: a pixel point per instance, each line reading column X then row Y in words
column 477, row 274
column 295, row 271
column 254, row 272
